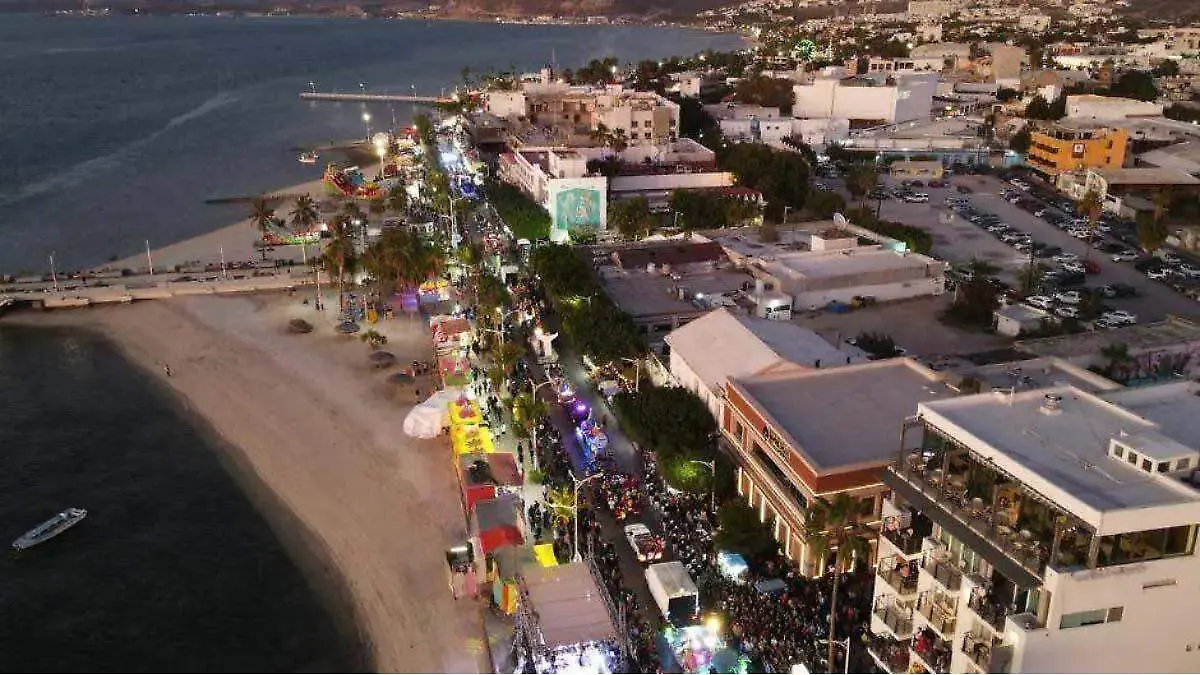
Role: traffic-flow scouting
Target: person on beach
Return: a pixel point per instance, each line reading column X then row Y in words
column 167, row 369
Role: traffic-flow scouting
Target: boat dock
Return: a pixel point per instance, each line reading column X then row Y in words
column 372, row 98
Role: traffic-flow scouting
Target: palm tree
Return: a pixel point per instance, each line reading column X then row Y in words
column 1089, row 206
column 304, row 216
column 527, row 410
column 508, row 355
column 340, row 250
column 261, row 217
column 861, row 181
column 833, row 526
column 397, row 199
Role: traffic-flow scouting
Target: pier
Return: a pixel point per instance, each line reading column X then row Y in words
column 372, row 98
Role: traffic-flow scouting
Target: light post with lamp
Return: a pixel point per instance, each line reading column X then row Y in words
column 533, row 435
column 712, row 487
column 575, row 506
column 637, row 373
column 366, row 118
column 312, row 86
column 844, row 643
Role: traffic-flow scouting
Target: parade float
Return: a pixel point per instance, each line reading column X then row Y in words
column 349, row 181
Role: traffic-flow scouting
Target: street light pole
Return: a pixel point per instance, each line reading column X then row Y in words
column 637, row 374
column 575, row 506
column 534, row 452
column 845, row 643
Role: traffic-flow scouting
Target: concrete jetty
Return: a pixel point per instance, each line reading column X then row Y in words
column 152, row 289
column 372, row 98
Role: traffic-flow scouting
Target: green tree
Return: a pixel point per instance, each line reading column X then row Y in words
column 822, row 204
column 1167, row 68
column 1089, row 205
column 860, row 181
column 261, row 218
column 835, row 527
column 397, row 199
column 878, row 345
column 631, row 217
column 765, row 91
column 740, row 530
column 527, row 410
column 1151, row 233
column 1030, row 278
column 304, row 217
column 668, row 420
column 1019, row 142
column 339, row 253
column 1136, row 84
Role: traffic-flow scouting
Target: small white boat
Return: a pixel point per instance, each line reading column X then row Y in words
column 309, row 157
column 50, row 529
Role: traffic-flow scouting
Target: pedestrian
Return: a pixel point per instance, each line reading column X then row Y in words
column 167, row 369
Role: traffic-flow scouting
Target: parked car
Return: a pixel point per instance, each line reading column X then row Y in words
column 1119, row 317
column 1158, row 273
column 1040, row 301
column 1067, row 312
column 1069, row 297
column 1189, row 271
column 1065, row 258
column 1126, row 255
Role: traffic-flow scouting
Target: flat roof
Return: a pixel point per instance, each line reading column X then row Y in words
column 1174, row 407
column 1147, row 176
column 642, row 294
column 1139, row 337
column 844, row 418
column 847, row 262
column 1038, row 374
column 1064, row 456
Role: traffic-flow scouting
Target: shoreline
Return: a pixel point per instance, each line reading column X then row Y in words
column 363, row 517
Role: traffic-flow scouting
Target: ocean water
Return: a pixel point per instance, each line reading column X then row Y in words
column 116, row 130
column 173, row 569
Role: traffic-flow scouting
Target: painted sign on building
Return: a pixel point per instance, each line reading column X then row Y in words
column 577, row 204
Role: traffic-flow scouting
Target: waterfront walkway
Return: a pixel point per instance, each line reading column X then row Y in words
column 371, row 98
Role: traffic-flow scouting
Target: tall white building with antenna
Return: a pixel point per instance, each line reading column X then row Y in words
column 1045, row 530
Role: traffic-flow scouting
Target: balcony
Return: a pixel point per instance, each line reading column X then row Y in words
column 932, row 651
column 938, row 610
column 898, row 618
column 898, row 573
column 908, row 540
column 979, row 650
column 945, row 573
column 890, row 654
column 989, row 611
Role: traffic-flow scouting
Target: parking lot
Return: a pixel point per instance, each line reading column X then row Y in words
column 913, row 324
column 959, row 241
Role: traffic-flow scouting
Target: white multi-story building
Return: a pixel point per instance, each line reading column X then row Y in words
column 571, row 114
column 931, row 9
column 832, row 96
column 1046, row 530
column 1092, row 108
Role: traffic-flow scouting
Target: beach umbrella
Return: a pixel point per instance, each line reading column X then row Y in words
column 299, row 326
column 382, row 358
column 347, row 327
column 401, row 378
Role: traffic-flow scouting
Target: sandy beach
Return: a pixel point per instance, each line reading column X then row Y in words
column 235, row 241
column 310, row 420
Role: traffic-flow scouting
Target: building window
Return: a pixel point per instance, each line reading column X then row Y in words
column 1088, row 618
column 1184, row 463
column 1147, row 465
column 1115, row 614
column 1133, row 458
column 1164, row 467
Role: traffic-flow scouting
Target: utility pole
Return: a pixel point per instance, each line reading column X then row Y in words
column 149, row 258
column 53, row 274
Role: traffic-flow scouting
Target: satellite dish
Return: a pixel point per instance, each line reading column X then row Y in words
column 840, row 220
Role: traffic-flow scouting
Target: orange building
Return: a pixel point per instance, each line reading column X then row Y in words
column 1057, row 148
column 800, row 434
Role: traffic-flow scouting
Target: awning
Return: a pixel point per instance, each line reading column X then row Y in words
column 972, row 539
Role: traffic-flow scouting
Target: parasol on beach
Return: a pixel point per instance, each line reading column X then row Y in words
column 347, row 327
column 382, row 358
column 299, row 326
column 401, row 378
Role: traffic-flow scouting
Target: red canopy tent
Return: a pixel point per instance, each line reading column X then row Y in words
column 499, row 470
column 496, row 523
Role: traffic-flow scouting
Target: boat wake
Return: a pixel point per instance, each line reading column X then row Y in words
column 113, row 160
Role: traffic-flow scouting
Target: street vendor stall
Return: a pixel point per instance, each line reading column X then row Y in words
column 486, row 476
column 472, row 439
column 505, row 566
column 463, row 412
column 450, row 333
column 496, row 523
column 454, row 369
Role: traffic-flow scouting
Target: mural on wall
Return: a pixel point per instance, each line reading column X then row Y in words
column 578, row 209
